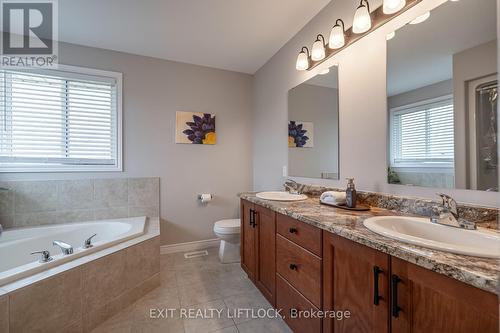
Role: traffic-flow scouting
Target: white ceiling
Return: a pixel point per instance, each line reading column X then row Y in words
column 421, row 54
column 238, row 35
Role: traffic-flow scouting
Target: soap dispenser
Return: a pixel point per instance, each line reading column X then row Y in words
column 350, row 193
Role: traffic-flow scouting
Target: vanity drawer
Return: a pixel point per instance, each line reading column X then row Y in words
column 300, row 268
column 300, row 233
column 288, row 298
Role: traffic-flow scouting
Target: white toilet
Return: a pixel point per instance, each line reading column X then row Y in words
column 229, row 233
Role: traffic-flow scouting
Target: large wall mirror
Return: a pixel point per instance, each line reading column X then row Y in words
column 442, row 90
column 313, row 127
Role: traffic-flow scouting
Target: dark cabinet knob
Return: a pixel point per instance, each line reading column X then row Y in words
column 292, row 230
column 293, row 267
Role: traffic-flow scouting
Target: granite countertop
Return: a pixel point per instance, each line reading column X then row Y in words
column 482, row 273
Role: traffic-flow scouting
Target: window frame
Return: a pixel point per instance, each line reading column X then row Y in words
column 412, row 166
column 76, row 72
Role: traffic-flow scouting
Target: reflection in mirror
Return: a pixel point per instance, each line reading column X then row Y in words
column 313, row 127
column 442, row 99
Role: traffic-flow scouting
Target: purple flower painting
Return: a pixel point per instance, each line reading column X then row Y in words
column 195, row 128
column 300, row 134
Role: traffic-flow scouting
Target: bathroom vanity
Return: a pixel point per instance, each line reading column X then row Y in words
column 306, row 257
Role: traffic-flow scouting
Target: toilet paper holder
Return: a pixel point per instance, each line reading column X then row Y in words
column 205, row 197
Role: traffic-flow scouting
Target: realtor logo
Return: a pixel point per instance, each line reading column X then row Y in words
column 29, row 32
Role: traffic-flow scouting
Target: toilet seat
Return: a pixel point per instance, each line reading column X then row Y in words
column 227, row 227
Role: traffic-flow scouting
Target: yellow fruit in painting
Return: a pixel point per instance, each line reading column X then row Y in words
column 210, row 138
column 291, row 142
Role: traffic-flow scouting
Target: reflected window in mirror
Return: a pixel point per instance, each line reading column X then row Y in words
column 442, row 99
column 313, row 127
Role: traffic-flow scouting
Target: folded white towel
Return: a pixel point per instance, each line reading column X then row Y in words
column 333, row 197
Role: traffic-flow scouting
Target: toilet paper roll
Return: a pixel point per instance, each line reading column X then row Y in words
column 205, row 197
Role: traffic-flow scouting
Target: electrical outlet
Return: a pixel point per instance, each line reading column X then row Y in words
column 285, row 171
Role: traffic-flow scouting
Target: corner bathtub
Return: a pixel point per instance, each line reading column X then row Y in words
column 16, row 245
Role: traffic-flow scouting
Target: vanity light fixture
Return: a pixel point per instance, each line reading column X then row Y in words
column 318, row 48
column 364, row 22
column 391, row 35
column 393, row 6
column 337, row 35
column 421, row 18
column 303, row 59
column 362, row 18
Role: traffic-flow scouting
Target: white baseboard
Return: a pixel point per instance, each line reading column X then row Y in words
column 189, row 246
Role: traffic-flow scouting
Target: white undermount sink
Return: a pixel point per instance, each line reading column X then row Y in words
column 420, row 231
column 281, row 196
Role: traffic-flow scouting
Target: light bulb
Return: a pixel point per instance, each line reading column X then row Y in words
column 362, row 19
column 302, row 60
column 391, row 35
column 318, row 49
column 421, row 18
column 337, row 36
column 393, row 6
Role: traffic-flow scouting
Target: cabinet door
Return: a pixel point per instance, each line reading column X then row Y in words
column 247, row 244
column 429, row 302
column 297, row 311
column 355, row 279
column 265, row 277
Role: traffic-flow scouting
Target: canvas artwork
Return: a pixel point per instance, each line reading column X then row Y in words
column 300, row 134
column 195, row 128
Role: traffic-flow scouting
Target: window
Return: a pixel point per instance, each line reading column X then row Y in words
column 60, row 120
column 422, row 134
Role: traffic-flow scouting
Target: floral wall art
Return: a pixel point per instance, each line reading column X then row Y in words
column 195, row 128
column 300, row 134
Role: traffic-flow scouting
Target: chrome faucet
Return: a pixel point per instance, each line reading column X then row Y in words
column 447, row 214
column 45, row 256
column 65, row 247
column 292, row 186
column 87, row 244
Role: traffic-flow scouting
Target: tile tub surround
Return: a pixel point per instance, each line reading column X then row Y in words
column 30, row 203
column 482, row 273
column 81, row 298
column 486, row 217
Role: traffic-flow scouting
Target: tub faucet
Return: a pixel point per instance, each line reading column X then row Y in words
column 45, row 256
column 447, row 214
column 88, row 242
column 65, row 247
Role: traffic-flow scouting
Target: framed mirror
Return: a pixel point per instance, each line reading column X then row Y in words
column 313, row 127
column 442, row 89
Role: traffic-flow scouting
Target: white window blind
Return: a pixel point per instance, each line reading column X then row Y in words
column 59, row 120
column 423, row 134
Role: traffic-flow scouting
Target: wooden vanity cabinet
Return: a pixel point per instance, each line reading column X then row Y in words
column 355, row 279
column 248, row 236
column 428, row 302
column 258, row 247
column 297, row 266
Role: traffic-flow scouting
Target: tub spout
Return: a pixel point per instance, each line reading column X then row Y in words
column 65, row 247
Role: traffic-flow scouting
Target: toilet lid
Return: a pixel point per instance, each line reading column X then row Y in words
column 227, row 226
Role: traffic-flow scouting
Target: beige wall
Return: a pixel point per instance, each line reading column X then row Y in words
column 363, row 107
column 153, row 90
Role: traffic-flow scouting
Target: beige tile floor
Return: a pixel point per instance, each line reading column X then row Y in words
column 197, row 283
